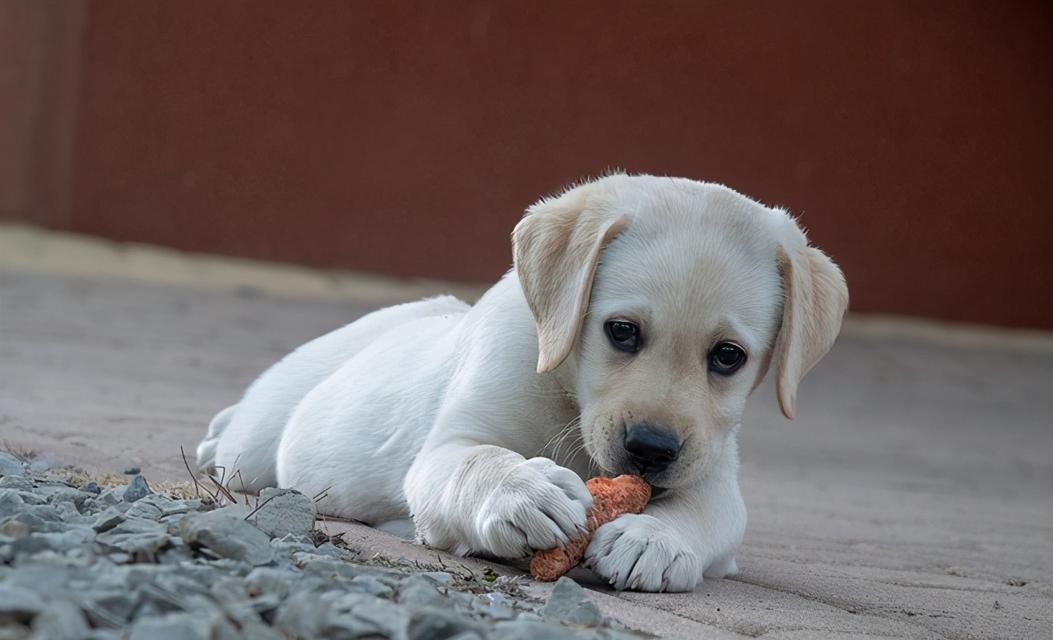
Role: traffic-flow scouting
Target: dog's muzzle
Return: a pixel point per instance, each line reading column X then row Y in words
column 650, row 448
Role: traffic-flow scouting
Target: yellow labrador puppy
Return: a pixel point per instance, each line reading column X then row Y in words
column 641, row 313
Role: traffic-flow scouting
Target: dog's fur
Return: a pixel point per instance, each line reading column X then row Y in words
column 479, row 423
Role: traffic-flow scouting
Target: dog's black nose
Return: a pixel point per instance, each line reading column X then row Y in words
column 652, row 449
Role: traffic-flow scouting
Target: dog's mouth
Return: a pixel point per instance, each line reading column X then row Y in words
column 657, row 492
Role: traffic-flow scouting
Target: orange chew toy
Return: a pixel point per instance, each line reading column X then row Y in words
column 611, row 497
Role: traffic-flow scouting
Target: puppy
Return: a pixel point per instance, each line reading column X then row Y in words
column 641, row 313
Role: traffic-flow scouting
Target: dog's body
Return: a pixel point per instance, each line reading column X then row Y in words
column 480, row 423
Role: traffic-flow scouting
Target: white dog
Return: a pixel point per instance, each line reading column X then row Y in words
column 641, row 313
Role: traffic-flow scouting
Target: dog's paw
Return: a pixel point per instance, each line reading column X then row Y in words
column 540, row 505
column 638, row 552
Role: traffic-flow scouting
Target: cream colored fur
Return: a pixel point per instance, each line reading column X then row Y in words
column 479, row 424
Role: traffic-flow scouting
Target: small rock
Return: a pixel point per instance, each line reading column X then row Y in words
column 143, row 509
column 12, row 528
column 302, row 614
column 420, row 592
column 137, row 489
column 92, row 488
column 16, row 482
column 42, row 463
column 18, row 606
column 61, row 619
column 11, row 465
column 282, row 512
column 569, row 603
column 498, row 606
column 439, row 577
column 372, row 586
column 112, row 496
column 226, row 534
column 10, row 503
column 360, row 615
column 135, row 537
column 108, row 519
column 183, row 626
column 109, row 608
column 525, row 629
column 428, row 622
column 266, row 580
column 132, row 471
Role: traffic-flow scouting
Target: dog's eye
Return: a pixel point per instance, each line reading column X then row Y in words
column 726, row 358
column 625, row 336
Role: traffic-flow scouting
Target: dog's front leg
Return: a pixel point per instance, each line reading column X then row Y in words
column 478, row 498
column 680, row 537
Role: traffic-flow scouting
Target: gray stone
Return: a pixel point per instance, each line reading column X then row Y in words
column 16, row 482
column 10, row 503
column 135, row 537
column 137, row 489
column 267, row 580
column 14, row 529
column 226, row 534
column 18, row 606
column 260, row 631
column 372, row 586
column 108, row 519
column 92, row 488
column 283, row 512
column 60, row 542
column 364, row 615
column 426, row 623
column 11, row 465
column 42, row 463
column 303, row 614
column 183, row 626
column 526, row 629
column 61, row 494
column 421, row 592
column 569, row 603
column 61, row 619
column 498, row 606
column 331, row 569
column 143, row 509
column 109, row 608
column 111, row 496
column 39, row 518
column 439, row 577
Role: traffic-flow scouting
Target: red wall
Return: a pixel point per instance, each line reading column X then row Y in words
column 912, row 137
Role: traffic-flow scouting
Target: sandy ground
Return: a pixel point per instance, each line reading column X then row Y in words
column 911, row 498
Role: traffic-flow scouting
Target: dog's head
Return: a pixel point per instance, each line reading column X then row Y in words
column 663, row 301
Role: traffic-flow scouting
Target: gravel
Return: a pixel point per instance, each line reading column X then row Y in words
column 129, row 561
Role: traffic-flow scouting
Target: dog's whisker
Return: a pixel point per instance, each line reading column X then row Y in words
column 557, row 440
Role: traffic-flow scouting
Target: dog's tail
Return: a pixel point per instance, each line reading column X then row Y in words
column 206, row 451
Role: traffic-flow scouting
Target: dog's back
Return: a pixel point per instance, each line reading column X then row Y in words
column 242, row 440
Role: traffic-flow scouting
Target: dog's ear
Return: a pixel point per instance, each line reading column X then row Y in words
column 557, row 246
column 815, row 300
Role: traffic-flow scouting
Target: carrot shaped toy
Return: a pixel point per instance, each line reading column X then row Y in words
column 611, row 497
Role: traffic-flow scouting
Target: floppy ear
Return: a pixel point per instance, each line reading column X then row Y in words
column 557, row 246
column 815, row 300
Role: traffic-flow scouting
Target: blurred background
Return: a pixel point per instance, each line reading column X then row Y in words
column 190, row 189
column 406, row 139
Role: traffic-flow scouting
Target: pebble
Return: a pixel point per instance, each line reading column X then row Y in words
column 569, row 603
column 227, row 534
column 126, row 562
column 11, row 465
column 18, row 605
column 283, row 512
column 137, row 489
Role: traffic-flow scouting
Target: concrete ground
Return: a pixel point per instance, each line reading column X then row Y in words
column 911, row 498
